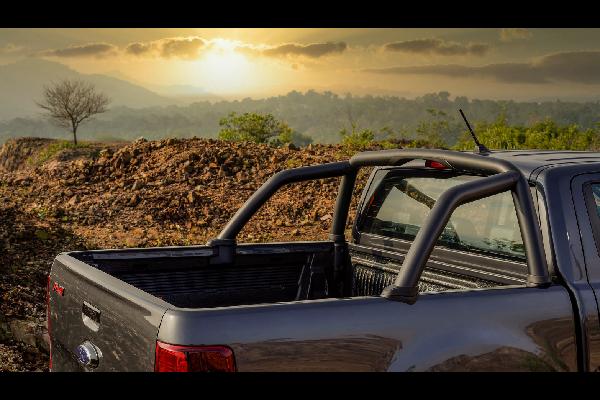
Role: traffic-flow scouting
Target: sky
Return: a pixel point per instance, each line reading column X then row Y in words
column 489, row 63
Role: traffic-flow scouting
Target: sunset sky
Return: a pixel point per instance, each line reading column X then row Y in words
column 479, row 63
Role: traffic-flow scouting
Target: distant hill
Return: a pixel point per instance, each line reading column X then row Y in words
column 22, row 82
column 318, row 115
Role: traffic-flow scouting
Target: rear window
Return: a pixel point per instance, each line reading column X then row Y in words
column 398, row 206
column 596, row 197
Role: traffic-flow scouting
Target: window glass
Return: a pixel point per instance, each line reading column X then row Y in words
column 596, row 196
column 399, row 205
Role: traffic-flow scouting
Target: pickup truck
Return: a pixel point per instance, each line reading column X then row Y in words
column 456, row 261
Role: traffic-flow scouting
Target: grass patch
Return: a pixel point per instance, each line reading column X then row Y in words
column 52, row 150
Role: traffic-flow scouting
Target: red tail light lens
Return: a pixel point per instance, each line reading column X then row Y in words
column 173, row 358
column 435, row 164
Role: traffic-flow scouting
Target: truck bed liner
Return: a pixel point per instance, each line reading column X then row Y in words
column 185, row 278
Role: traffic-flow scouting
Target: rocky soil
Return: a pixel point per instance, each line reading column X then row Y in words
column 140, row 194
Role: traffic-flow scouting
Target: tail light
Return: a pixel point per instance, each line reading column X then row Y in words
column 48, row 318
column 173, row 358
column 435, row 164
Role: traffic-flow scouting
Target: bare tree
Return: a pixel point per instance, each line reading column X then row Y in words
column 70, row 102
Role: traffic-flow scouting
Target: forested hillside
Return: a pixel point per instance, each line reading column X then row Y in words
column 319, row 115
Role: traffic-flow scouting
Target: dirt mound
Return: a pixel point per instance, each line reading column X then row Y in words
column 179, row 192
column 15, row 152
column 23, row 154
column 147, row 193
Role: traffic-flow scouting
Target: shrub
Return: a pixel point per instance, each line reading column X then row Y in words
column 357, row 139
column 258, row 128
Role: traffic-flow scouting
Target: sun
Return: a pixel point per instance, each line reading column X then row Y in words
column 223, row 68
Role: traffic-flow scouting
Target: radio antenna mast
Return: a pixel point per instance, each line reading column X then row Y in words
column 481, row 149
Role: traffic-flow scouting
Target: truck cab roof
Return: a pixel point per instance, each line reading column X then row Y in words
column 529, row 161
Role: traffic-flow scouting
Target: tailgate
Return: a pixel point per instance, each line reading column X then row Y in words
column 88, row 306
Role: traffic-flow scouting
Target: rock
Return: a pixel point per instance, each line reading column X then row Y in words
column 188, row 167
column 105, row 153
column 137, row 185
column 5, row 332
column 24, row 331
column 73, row 201
column 326, row 217
column 134, row 200
column 43, row 341
column 124, row 158
column 314, row 215
column 191, row 198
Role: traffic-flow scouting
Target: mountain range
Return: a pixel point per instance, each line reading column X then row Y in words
column 22, row 83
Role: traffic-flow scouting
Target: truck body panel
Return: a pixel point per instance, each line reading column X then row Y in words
column 522, row 329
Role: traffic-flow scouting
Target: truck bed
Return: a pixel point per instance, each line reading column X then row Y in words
column 261, row 273
column 184, row 276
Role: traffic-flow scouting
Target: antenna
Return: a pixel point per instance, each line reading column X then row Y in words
column 481, row 149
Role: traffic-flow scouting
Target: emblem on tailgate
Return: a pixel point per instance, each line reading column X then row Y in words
column 87, row 354
column 58, row 289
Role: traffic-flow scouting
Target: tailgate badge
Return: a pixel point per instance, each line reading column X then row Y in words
column 58, row 289
column 87, row 354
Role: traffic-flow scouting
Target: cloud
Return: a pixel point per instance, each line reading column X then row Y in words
column 140, row 48
column 437, row 46
column 86, row 50
column 188, row 48
column 313, row 50
column 10, row 48
column 576, row 67
column 508, row 72
column 179, row 47
column 510, row 34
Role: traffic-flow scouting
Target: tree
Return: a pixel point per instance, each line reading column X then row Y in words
column 254, row 127
column 436, row 131
column 70, row 102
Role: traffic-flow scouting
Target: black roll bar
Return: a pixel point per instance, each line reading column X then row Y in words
column 505, row 176
column 260, row 197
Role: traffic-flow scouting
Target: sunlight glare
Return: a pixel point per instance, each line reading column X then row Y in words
column 224, row 69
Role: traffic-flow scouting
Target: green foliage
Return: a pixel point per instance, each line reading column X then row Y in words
column 434, row 131
column 356, row 139
column 42, row 212
column 257, row 128
column 544, row 135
